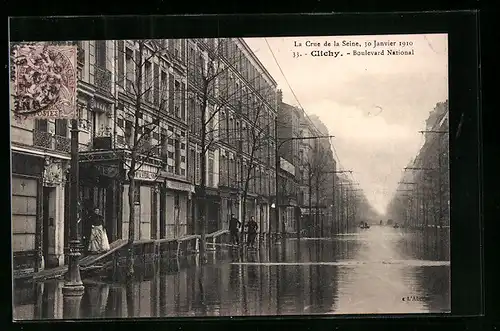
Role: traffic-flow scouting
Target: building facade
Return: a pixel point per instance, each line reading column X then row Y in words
column 39, row 187
column 288, row 133
column 240, row 99
column 423, row 197
column 137, row 89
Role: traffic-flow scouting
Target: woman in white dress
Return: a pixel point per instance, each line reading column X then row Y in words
column 98, row 238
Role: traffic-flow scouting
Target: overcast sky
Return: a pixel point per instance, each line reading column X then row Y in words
column 373, row 105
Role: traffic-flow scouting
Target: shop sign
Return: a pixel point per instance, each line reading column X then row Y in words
column 145, row 175
column 179, row 186
column 287, row 166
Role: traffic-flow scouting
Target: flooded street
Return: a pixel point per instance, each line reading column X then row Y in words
column 375, row 270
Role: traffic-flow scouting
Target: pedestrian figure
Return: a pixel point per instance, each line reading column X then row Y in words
column 87, row 218
column 98, row 238
column 252, row 231
column 234, row 225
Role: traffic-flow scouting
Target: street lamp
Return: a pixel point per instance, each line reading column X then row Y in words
column 277, row 146
column 73, row 286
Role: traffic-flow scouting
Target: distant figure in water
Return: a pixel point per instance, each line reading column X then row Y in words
column 381, row 222
column 98, row 242
column 252, row 231
column 234, row 225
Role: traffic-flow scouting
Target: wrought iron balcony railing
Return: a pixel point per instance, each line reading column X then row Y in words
column 49, row 141
column 102, row 78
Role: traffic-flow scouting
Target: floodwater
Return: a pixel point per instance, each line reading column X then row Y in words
column 377, row 270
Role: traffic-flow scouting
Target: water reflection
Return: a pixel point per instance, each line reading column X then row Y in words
column 370, row 271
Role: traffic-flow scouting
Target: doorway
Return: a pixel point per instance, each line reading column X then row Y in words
column 47, row 226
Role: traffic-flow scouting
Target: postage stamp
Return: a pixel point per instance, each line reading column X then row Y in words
column 45, row 80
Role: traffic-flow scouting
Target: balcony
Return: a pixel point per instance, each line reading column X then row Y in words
column 47, row 140
column 102, row 79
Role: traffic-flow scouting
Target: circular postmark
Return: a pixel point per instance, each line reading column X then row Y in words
column 45, row 81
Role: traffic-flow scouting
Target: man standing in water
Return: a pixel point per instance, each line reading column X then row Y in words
column 252, row 232
column 234, row 225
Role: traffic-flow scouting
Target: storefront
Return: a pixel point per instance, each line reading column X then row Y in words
column 101, row 187
column 146, row 204
column 176, row 201
column 38, row 210
column 229, row 205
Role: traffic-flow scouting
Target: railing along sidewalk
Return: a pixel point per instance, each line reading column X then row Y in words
column 188, row 239
column 213, row 237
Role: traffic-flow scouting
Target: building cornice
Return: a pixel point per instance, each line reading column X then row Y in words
column 257, row 61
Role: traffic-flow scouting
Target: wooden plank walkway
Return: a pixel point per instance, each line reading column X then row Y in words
column 85, row 263
column 91, row 259
column 89, row 262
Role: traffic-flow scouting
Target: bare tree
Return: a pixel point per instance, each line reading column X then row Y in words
column 145, row 104
column 317, row 166
column 257, row 138
column 217, row 87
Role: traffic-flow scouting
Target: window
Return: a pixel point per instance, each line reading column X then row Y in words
column 192, row 164
column 121, row 63
column 148, row 80
column 128, row 132
column 137, row 194
column 163, row 141
column 177, row 48
column 198, row 170
column 42, row 125
column 129, row 63
column 61, row 127
column 211, row 171
column 223, row 126
column 177, row 99
column 177, row 156
column 164, row 83
column 100, row 52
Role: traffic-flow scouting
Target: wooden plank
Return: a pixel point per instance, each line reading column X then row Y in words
column 116, row 245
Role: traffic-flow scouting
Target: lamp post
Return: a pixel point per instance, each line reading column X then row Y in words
column 73, row 286
column 277, row 146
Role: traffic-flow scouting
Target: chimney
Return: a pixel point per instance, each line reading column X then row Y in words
column 280, row 96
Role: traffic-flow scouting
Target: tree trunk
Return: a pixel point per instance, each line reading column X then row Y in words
column 203, row 171
column 310, row 201
column 133, row 163
column 318, row 222
column 131, row 224
column 243, row 215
